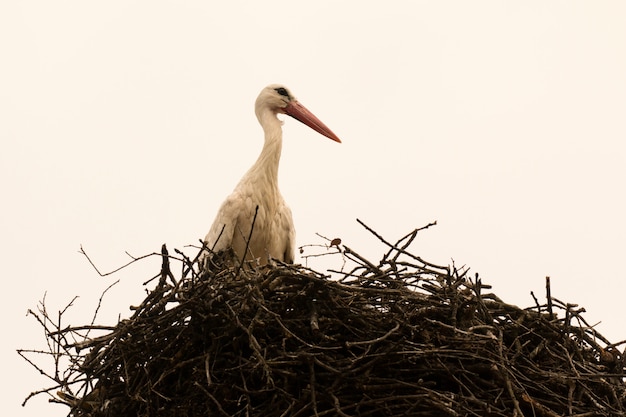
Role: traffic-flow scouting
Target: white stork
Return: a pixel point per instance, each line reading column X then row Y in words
column 273, row 234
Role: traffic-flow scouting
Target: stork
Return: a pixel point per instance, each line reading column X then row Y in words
column 256, row 198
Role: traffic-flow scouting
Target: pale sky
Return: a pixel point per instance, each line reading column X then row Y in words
column 125, row 124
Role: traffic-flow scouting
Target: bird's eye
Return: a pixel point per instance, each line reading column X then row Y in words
column 282, row 91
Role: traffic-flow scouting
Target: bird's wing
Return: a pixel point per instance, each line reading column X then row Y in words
column 220, row 236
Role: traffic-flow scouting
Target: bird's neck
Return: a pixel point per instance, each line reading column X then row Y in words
column 266, row 166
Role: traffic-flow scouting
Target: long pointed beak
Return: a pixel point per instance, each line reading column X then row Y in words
column 302, row 114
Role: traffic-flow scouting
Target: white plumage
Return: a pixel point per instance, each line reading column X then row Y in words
column 273, row 234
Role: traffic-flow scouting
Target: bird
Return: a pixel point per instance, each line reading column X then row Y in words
column 254, row 220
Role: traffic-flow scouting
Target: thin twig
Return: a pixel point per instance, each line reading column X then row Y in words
column 245, row 252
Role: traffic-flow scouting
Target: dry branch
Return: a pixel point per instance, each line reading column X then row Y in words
column 397, row 338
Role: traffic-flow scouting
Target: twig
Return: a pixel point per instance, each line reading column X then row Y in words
column 378, row 339
column 417, row 258
column 245, row 252
column 119, row 268
column 95, row 313
column 549, row 297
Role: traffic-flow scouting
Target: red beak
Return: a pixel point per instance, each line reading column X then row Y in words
column 302, row 114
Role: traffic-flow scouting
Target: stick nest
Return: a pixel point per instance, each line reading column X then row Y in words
column 401, row 337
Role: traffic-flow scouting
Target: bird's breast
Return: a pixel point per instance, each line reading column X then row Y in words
column 264, row 226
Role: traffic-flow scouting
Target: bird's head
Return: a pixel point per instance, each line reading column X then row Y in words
column 279, row 99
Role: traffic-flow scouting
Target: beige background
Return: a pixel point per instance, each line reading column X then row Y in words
column 125, row 124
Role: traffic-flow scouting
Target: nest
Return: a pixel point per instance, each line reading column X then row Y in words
column 400, row 337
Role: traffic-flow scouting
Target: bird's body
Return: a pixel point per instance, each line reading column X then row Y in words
column 254, row 220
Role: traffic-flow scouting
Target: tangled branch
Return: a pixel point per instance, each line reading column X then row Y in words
column 398, row 337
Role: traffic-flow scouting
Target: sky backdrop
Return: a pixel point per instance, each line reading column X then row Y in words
column 124, row 124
